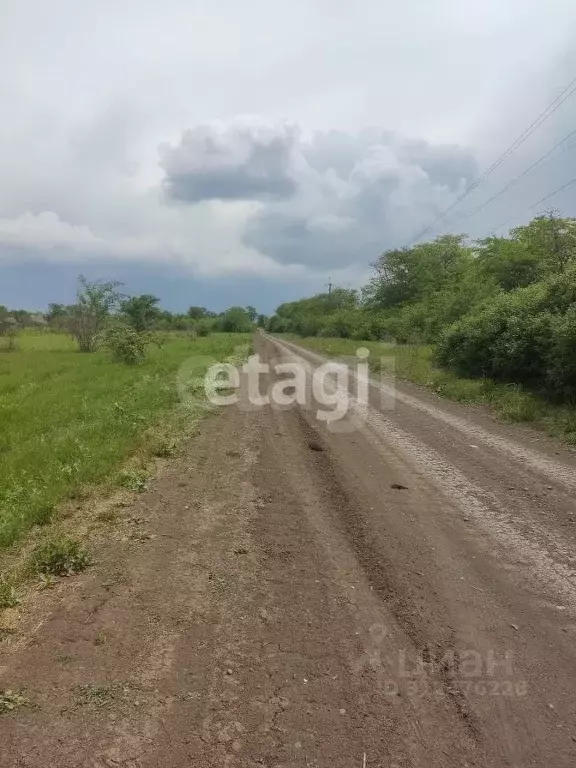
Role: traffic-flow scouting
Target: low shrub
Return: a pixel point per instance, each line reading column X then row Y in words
column 526, row 336
column 202, row 329
column 126, row 345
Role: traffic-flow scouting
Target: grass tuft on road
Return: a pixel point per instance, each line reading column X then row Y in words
column 69, row 420
column 61, row 556
column 10, row 701
column 415, row 363
column 8, row 596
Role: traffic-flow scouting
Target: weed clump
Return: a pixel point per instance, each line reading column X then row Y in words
column 96, row 695
column 8, row 597
column 60, row 557
column 11, row 700
column 133, row 481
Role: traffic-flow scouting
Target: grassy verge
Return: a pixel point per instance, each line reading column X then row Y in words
column 414, row 363
column 68, row 421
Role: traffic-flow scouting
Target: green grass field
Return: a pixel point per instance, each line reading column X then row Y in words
column 68, row 420
column 415, row 363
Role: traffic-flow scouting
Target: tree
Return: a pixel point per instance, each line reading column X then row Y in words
column 38, row 321
column 57, row 315
column 252, row 313
column 196, row 313
column 141, row 311
column 235, row 320
column 22, row 316
column 8, row 325
column 94, row 303
column 412, row 274
column 551, row 240
column 509, row 262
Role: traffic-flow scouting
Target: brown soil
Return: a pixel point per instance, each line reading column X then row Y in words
column 399, row 594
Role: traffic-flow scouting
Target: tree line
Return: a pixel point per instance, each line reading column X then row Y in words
column 501, row 307
column 99, row 302
column 103, row 316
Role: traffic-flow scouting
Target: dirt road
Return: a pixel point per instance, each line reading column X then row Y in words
column 401, row 593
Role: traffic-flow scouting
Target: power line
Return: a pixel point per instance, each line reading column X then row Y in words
column 560, row 189
column 536, row 204
column 540, row 120
column 541, row 160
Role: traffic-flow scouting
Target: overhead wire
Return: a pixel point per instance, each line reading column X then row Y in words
column 543, row 160
column 563, row 96
column 536, row 204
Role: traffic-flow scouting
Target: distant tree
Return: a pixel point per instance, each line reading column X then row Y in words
column 410, row 274
column 22, row 316
column 95, row 301
column 57, row 314
column 197, row 312
column 252, row 313
column 141, row 311
column 8, row 325
column 37, row 321
column 235, row 320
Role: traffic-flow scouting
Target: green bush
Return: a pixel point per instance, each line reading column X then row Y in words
column 305, row 326
column 126, row 345
column 327, row 331
column 561, row 370
column 236, row 320
column 526, row 336
column 202, row 328
column 502, row 308
column 361, row 333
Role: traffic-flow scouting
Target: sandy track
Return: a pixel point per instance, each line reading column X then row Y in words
column 292, row 608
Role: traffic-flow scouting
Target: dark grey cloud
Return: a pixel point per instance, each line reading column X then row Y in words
column 240, row 162
column 334, row 199
column 358, row 194
column 291, row 239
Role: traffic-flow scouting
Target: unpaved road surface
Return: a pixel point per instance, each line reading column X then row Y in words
column 400, row 592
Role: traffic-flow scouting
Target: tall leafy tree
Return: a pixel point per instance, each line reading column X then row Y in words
column 95, row 301
column 141, row 311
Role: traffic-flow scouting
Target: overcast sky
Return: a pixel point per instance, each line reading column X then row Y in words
column 223, row 152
